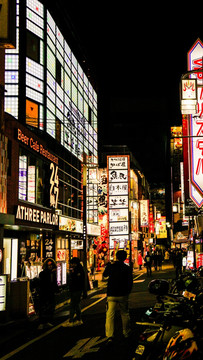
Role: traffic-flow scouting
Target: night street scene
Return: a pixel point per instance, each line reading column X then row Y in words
column 101, row 180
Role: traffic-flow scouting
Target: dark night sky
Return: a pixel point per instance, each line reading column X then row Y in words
column 137, row 55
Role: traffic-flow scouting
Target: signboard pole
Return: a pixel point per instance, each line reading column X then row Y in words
column 85, row 222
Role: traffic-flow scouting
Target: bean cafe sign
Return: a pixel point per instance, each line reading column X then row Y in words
column 32, row 213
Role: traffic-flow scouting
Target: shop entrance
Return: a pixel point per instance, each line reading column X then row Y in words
column 10, row 257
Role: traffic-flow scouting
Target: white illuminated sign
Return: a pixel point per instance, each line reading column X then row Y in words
column 2, row 292
column 196, row 128
column 36, row 215
column 118, row 200
column 76, row 244
column 119, row 241
column 189, row 89
column 22, row 187
column 31, row 184
column 118, row 214
column 14, row 258
column 118, row 162
column 196, row 153
column 118, row 189
column 118, row 227
column 69, row 224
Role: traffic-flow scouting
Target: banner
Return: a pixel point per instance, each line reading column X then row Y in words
column 144, row 213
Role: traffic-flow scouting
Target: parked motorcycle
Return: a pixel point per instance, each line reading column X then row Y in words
column 184, row 314
column 155, row 337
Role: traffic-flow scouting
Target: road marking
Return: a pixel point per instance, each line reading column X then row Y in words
column 138, row 276
column 89, row 306
column 97, row 296
column 138, row 281
column 24, row 346
column 84, row 346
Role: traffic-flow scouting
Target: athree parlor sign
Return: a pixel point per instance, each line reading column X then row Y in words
column 37, row 216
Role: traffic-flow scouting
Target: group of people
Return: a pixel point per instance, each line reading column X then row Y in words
column 153, row 259
column 48, row 287
column 120, row 282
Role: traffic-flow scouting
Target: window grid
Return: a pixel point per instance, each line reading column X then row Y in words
column 74, row 95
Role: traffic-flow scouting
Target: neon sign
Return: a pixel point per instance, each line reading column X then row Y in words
column 34, row 145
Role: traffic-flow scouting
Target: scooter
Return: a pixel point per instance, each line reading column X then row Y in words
column 154, row 338
column 182, row 304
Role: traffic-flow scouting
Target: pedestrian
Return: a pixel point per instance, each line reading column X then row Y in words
column 76, row 287
column 178, row 263
column 159, row 259
column 155, row 259
column 120, row 282
column 148, row 262
column 140, row 260
column 47, row 289
column 166, row 256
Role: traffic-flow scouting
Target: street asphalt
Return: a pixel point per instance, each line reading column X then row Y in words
column 21, row 339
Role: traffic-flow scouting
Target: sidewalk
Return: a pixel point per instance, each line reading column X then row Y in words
column 63, row 299
column 15, row 328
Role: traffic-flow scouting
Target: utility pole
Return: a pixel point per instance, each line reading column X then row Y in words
column 85, row 221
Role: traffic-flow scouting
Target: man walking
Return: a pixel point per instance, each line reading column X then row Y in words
column 148, row 262
column 120, row 282
column 77, row 287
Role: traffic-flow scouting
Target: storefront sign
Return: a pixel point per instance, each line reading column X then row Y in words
column 118, row 241
column 118, row 162
column 36, row 215
column 144, row 213
column 196, row 128
column 118, row 202
column 189, row 89
column 189, row 96
column 49, row 246
column 118, row 170
column 2, row 292
column 119, row 189
column 118, row 214
column 118, row 228
column 36, row 146
column 68, row 224
column 61, row 255
column 76, row 244
column 196, row 153
column 93, row 229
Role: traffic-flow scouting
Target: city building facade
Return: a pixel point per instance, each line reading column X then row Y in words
column 49, row 127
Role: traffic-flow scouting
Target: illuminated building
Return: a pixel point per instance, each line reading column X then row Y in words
column 50, row 123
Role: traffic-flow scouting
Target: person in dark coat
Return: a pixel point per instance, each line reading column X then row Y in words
column 148, row 262
column 76, row 287
column 178, row 263
column 47, row 288
column 120, row 282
